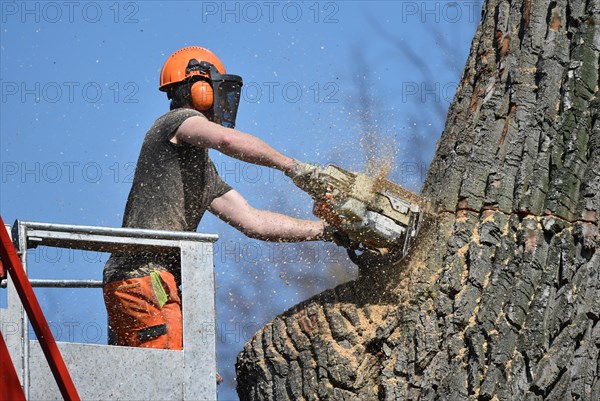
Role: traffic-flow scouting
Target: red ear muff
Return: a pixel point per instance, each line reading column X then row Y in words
column 202, row 95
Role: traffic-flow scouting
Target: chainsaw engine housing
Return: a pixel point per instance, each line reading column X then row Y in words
column 376, row 214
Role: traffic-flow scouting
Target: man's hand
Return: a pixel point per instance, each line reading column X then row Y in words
column 332, row 234
column 304, row 175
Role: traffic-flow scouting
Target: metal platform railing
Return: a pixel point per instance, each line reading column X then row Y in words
column 113, row 372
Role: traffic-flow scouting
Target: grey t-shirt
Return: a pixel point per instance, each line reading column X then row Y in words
column 172, row 188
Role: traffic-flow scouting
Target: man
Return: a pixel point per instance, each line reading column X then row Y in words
column 175, row 183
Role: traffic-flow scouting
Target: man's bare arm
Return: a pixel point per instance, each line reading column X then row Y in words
column 261, row 224
column 201, row 132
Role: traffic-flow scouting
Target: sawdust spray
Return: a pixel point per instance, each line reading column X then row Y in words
column 379, row 152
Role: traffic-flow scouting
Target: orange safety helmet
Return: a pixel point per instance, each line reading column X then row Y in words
column 176, row 70
column 211, row 86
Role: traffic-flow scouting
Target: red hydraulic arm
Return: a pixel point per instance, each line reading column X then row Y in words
column 13, row 266
column 10, row 388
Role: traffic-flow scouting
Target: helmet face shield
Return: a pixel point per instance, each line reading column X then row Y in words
column 227, row 89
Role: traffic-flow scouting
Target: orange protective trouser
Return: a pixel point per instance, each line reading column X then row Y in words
column 143, row 312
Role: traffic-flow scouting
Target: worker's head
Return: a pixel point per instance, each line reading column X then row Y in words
column 195, row 77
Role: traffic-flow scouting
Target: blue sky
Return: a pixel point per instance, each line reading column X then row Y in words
column 78, row 90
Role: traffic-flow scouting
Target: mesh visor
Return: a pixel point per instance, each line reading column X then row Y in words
column 227, row 90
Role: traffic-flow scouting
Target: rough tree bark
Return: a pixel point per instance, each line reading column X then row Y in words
column 500, row 298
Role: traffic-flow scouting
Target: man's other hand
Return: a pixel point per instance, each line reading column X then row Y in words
column 304, row 175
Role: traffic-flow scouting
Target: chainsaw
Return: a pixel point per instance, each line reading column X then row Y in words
column 376, row 219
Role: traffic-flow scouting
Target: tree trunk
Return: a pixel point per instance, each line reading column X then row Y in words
column 500, row 297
